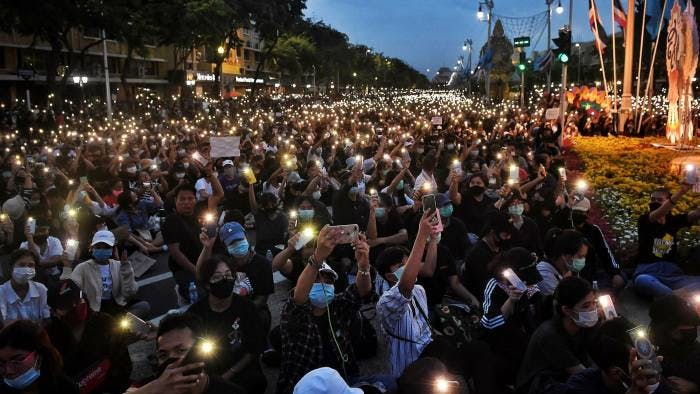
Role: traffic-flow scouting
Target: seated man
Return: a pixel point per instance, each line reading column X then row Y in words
column 174, row 340
column 657, row 273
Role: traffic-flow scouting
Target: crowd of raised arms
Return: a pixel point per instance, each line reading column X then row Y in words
column 445, row 232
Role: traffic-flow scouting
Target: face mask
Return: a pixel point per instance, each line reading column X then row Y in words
column 239, row 249
column 22, row 275
column 222, row 288
column 586, row 319
column 380, row 212
column 117, row 192
column 446, row 211
column 181, row 152
column 399, row 272
column 306, row 214
column 186, row 164
column 578, row 218
column 24, row 380
column 230, row 171
column 476, row 190
column 321, row 294
column 653, row 206
column 316, row 195
column 555, row 128
column 131, row 170
column 577, row 265
column 6, row 174
column 179, row 175
column 450, row 146
column 420, row 150
column 516, row 210
column 361, row 188
column 400, row 185
column 101, row 254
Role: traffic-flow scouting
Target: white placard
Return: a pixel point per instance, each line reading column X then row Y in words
column 437, row 120
column 225, row 147
column 552, row 113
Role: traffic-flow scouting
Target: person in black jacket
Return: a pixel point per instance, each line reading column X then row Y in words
column 601, row 265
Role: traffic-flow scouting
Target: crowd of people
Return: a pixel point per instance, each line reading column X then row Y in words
column 457, row 223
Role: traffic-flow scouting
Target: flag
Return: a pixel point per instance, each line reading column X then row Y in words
column 620, row 16
column 599, row 35
column 543, row 61
column 654, row 13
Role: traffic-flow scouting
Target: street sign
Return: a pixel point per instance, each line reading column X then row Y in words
column 25, row 73
column 521, row 42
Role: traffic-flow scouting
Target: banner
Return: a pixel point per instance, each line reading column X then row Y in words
column 225, row 147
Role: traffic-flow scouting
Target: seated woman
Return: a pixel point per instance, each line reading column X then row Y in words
column 566, row 258
column 30, row 362
column 21, row 297
column 509, row 317
column 134, row 213
column 233, row 321
column 385, row 227
column 557, row 349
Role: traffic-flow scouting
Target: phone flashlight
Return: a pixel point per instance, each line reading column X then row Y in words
column 581, row 186
column 124, row 323
column 562, row 173
column 443, row 385
column 606, row 303
column 427, row 187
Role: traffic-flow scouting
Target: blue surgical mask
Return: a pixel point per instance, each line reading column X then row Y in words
column 516, row 210
column 446, row 211
column 24, row 380
column 399, row 272
column 400, row 185
column 321, row 294
column 316, row 195
column 577, row 265
column 101, row 254
column 239, row 249
column 380, row 212
column 306, row 214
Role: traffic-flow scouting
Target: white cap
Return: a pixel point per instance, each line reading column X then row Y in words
column 294, row 177
column 327, row 269
column 103, row 236
column 227, row 163
column 324, row 381
column 582, row 205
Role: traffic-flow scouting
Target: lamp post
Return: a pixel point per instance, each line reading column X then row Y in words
column 578, row 71
column 549, row 41
column 81, row 80
column 480, row 14
column 468, row 47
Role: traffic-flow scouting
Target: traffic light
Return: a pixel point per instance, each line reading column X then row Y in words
column 563, row 43
column 522, row 63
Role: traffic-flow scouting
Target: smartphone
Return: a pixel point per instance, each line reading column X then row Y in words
column 349, row 233
column 606, row 303
column 293, row 218
column 306, row 236
column 83, row 180
column 31, row 223
column 202, row 351
column 249, row 176
column 29, row 161
column 210, row 225
column 514, row 280
column 3, row 217
column 134, row 324
column 200, row 159
column 691, row 174
column 645, row 349
column 147, row 185
column 429, row 205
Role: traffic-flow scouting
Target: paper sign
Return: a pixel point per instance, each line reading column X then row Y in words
column 552, row 113
column 225, row 147
column 140, row 263
column 437, row 120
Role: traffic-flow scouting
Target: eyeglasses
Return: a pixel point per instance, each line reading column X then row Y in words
column 14, row 364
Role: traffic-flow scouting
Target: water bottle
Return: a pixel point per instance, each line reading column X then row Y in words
column 193, row 293
column 268, row 255
column 595, row 286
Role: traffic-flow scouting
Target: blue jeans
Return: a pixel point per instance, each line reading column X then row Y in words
column 661, row 278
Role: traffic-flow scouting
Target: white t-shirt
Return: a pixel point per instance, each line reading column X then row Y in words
column 53, row 248
column 106, row 282
column 203, row 184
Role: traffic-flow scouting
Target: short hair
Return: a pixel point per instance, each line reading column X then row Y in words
column 662, row 190
column 20, row 253
column 609, row 346
column 178, row 321
column 390, row 256
column 28, row 335
column 479, row 175
column 568, row 242
column 429, row 162
column 570, row 292
column 185, row 187
column 209, row 267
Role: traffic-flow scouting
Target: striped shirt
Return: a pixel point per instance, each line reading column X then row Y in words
column 407, row 332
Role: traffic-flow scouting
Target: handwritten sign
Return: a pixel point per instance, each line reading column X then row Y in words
column 225, row 147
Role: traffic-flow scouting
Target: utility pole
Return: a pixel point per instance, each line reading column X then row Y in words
column 564, row 71
column 627, row 78
column 108, row 91
column 489, row 4
column 549, row 43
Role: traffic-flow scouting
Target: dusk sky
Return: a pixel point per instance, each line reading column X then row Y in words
column 428, row 34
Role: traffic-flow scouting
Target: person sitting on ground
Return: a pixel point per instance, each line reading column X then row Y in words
column 21, row 297
column 657, row 272
column 567, row 258
column 47, row 247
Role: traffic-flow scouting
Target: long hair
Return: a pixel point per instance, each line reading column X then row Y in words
column 29, row 336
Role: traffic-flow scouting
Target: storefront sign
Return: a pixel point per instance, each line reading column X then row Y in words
column 249, row 80
column 206, row 77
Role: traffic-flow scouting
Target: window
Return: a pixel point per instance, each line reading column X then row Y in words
column 3, row 64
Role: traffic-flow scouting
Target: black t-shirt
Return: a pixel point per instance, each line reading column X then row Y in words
column 269, row 232
column 259, row 271
column 527, row 236
column 476, row 272
column 657, row 242
column 454, row 237
column 183, row 230
column 473, row 213
column 436, row 286
column 238, row 330
column 237, row 200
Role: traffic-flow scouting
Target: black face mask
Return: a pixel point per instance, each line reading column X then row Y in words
column 653, row 206
column 476, row 190
column 222, row 288
column 578, row 218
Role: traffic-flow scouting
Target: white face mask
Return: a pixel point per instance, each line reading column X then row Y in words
column 22, row 275
column 586, row 319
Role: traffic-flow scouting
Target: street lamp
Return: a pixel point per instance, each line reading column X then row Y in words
column 559, row 8
column 354, row 75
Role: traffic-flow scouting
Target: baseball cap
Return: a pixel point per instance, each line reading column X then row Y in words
column 582, row 205
column 442, row 199
column 14, row 207
column 227, row 163
column 64, row 294
column 103, row 236
column 324, row 380
column 232, row 231
column 327, row 269
column 673, row 310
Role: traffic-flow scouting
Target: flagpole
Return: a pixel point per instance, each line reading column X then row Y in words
column 614, row 56
column 627, row 75
column 600, row 51
column 637, row 112
column 653, row 56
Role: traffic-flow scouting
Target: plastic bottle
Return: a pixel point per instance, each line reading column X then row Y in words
column 595, row 286
column 268, row 255
column 193, row 292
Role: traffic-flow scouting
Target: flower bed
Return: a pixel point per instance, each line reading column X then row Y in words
column 622, row 173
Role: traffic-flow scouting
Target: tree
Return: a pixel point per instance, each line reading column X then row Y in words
column 292, row 55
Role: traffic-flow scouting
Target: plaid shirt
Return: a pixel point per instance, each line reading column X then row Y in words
column 302, row 347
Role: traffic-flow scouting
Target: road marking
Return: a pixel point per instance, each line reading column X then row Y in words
column 154, row 279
